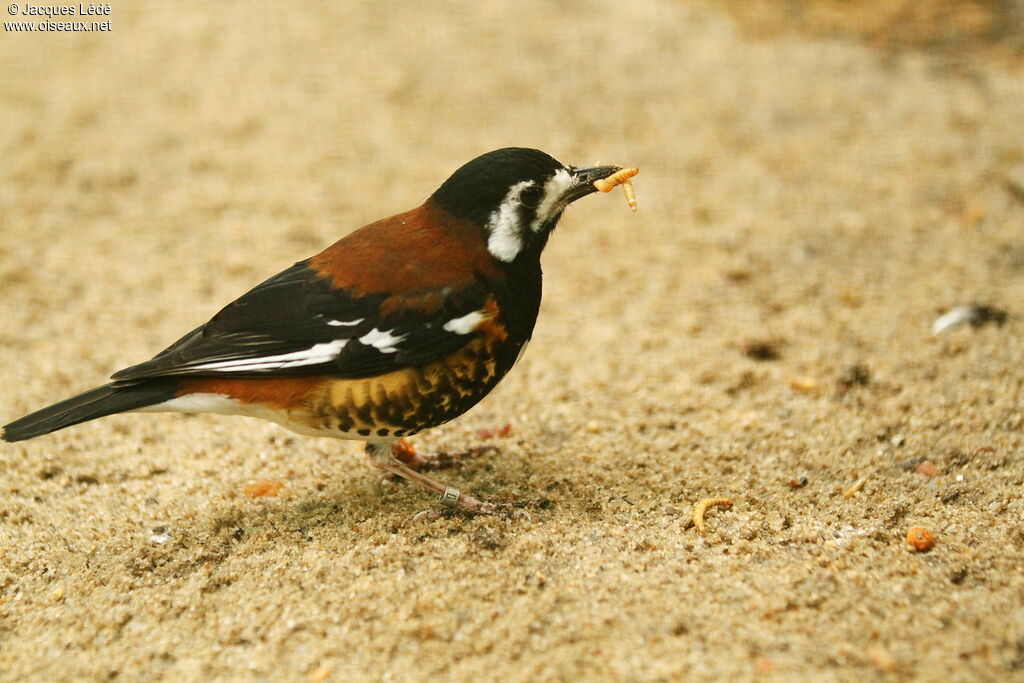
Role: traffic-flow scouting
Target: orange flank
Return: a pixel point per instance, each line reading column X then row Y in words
column 273, row 392
column 489, row 326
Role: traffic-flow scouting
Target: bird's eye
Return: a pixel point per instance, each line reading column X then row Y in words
column 530, row 196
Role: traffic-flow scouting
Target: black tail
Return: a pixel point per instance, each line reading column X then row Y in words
column 108, row 399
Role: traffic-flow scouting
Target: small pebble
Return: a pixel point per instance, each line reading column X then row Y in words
column 854, row 376
column 912, row 463
column 762, row 349
column 881, row 658
column 500, row 432
column 265, row 488
column 161, row 534
column 926, row 468
column 318, row 674
column 920, row 539
column 803, row 383
column 974, row 315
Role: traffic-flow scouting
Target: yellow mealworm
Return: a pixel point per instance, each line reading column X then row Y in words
column 620, row 177
column 617, row 178
column 627, row 189
column 701, row 507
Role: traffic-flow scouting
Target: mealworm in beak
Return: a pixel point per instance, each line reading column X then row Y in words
column 620, row 177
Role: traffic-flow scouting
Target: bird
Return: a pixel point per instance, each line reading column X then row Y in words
column 398, row 327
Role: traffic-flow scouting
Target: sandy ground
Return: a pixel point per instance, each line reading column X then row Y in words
column 809, row 204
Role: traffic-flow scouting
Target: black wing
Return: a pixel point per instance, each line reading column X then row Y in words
column 297, row 323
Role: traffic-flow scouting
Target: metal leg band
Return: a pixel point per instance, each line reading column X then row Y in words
column 450, row 497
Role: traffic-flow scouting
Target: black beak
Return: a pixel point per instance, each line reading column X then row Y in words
column 583, row 180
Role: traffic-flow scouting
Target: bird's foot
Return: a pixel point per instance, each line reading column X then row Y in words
column 384, row 456
column 422, row 462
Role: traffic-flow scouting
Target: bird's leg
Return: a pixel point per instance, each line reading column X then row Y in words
column 382, row 457
column 406, row 453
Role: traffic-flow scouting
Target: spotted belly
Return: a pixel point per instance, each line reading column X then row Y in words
column 381, row 408
column 409, row 400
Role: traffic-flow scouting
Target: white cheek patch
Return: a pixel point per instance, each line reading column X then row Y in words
column 382, row 341
column 465, row 324
column 316, row 354
column 345, row 323
column 554, row 191
column 506, row 234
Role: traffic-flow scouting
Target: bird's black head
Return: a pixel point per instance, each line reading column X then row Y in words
column 517, row 196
